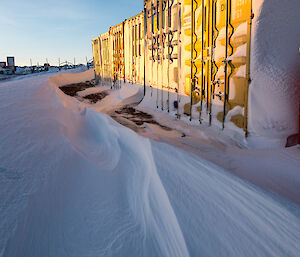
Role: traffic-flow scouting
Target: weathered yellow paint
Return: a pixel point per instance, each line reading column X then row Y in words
column 238, row 51
column 105, row 56
column 117, row 38
column 134, row 48
column 168, row 56
column 96, row 56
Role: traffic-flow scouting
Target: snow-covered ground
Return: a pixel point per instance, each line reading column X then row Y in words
column 73, row 182
column 275, row 169
column 20, row 75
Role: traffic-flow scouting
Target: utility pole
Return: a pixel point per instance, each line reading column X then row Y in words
column 87, row 64
column 46, row 67
column 32, row 70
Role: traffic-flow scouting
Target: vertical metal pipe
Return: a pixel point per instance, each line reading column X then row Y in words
column 145, row 45
column 158, row 47
column 157, row 90
column 152, row 44
column 163, row 40
column 212, row 58
column 202, row 62
column 192, row 58
column 124, row 74
column 168, row 74
column 111, row 60
column 114, row 58
column 153, row 51
column 160, row 33
column 135, row 50
column 226, row 64
column 248, row 78
column 179, row 55
column 207, row 36
column 120, row 56
column 132, row 50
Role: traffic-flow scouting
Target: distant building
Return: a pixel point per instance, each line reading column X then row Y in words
column 3, row 64
column 11, row 63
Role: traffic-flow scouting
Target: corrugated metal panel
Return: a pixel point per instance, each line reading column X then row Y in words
column 195, row 49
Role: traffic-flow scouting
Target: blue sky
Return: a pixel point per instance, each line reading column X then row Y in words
column 41, row 29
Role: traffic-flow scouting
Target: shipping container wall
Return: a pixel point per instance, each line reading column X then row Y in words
column 105, row 57
column 96, row 56
column 163, row 49
column 198, row 50
column 134, row 49
column 217, row 70
column 117, row 38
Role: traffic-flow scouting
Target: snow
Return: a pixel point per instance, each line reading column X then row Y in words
column 275, row 88
column 273, row 169
column 227, row 148
column 73, row 182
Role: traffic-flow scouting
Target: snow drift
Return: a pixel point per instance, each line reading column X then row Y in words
column 275, row 69
column 75, row 183
column 70, row 78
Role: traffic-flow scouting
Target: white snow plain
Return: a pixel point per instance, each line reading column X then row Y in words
column 73, row 182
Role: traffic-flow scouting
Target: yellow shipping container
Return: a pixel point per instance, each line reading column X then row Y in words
column 96, row 56
column 197, row 49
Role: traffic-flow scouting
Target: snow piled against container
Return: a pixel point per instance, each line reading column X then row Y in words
column 275, row 69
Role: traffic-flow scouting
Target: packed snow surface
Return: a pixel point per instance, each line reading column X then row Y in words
column 73, row 182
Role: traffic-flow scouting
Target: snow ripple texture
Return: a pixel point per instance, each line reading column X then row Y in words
column 75, row 183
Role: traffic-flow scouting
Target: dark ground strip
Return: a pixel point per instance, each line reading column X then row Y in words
column 127, row 116
column 94, row 98
column 72, row 89
column 138, row 117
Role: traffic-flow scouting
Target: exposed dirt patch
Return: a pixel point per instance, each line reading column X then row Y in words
column 94, row 98
column 72, row 89
column 136, row 116
column 127, row 116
